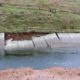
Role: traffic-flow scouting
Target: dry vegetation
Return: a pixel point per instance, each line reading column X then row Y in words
column 39, row 15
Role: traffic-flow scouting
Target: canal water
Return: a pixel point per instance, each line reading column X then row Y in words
column 61, row 57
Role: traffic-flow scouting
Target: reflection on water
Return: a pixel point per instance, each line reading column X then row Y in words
column 64, row 57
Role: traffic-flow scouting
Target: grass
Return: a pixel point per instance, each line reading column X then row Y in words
column 39, row 15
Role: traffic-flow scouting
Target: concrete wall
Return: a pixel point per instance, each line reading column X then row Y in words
column 64, row 40
column 44, row 43
column 2, row 42
column 47, row 41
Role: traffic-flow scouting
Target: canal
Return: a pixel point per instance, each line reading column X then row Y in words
column 61, row 57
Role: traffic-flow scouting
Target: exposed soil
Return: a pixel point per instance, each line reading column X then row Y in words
column 47, row 74
column 23, row 36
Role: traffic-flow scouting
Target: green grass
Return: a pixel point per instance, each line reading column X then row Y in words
column 36, row 15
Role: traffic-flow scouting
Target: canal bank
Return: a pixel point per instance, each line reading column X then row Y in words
column 56, row 73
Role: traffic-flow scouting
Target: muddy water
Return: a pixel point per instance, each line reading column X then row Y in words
column 64, row 57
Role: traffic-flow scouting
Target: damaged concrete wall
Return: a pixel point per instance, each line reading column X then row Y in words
column 42, row 43
column 48, row 41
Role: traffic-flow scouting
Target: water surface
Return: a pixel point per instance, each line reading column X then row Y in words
column 62, row 57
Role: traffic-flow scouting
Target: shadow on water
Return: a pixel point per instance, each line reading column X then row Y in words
column 62, row 57
column 27, row 53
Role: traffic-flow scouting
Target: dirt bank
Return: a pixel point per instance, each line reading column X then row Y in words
column 23, row 35
column 47, row 74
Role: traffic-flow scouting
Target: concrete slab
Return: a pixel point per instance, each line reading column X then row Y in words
column 39, row 42
column 19, row 45
column 52, row 40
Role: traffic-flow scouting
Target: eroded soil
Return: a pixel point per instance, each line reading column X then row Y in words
column 23, row 35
